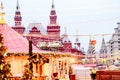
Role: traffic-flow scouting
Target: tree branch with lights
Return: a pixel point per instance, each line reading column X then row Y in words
column 5, row 67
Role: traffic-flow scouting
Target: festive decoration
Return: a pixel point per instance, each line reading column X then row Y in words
column 86, row 35
column 70, row 70
column 93, row 42
column 5, row 67
column 27, row 74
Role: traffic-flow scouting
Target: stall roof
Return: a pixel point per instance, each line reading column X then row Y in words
column 14, row 42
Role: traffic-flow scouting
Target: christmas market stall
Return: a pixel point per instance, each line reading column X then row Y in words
column 19, row 58
column 18, row 53
column 14, row 49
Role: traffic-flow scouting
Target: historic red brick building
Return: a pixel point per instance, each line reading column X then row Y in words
column 49, row 39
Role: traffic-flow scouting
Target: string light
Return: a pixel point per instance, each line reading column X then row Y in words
column 48, row 35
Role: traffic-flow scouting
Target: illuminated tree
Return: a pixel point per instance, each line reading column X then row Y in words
column 27, row 74
column 5, row 67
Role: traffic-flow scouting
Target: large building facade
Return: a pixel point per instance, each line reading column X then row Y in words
column 49, row 39
column 114, row 42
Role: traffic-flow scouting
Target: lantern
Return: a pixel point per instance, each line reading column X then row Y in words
column 93, row 42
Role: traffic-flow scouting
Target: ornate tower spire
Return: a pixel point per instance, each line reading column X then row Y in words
column 65, row 30
column 18, row 18
column 53, row 6
column 103, row 50
column 65, row 35
column 67, row 45
column 17, row 7
column 90, row 46
column 77, row 43
column 77, row 36
column 2, row 14
column 118, row 25
column 91, row 49
column 53, row 16
column 53, row 29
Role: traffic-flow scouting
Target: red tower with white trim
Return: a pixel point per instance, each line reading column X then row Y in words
column 53, row 29
column 18, row 20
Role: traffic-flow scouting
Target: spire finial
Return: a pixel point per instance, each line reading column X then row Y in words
column 65, row 30
column 77, row 33
column 118, row 24
column 53, row 4
column 17, row 7
column 2, row 14
column 77, row 36
column 17, row 3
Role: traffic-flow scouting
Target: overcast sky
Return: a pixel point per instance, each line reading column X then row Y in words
column 89, row 17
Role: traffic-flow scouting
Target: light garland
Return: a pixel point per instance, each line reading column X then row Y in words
column 88, row 35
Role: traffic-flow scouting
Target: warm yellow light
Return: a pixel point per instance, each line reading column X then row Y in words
column 72, row 60
column 93, row 60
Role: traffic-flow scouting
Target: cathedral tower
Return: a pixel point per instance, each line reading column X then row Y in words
column 18, row 20
column 103, row 50
column 91, row 53
column 53, row 29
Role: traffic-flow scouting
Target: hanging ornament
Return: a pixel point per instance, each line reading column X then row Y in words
column 5, row 48
column 3, row 61
column 93, row 42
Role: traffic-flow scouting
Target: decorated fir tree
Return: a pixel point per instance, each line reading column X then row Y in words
column 28, row 67
column 5, row 67
column 27, row 74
